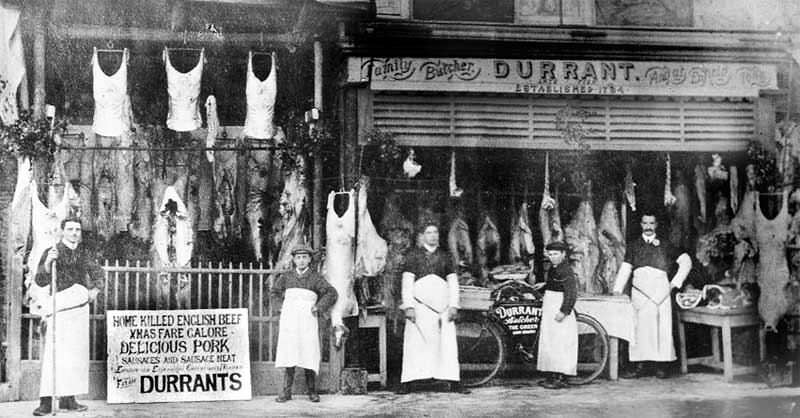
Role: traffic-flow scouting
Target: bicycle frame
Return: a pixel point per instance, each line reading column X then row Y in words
column 513, row 320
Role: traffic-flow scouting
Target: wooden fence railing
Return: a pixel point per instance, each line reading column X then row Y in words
column 141, row 286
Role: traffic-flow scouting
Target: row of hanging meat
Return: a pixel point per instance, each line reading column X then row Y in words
column 124, row 190
column 113, row 114
column 598, row 245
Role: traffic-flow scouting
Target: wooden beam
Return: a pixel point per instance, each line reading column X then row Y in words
column 39, row 52
column 177, row 15
column 269, row 3
column 103, row 32
column 317, row 193
column 302, row 16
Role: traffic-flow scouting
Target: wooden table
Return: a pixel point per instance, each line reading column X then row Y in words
column 376, row 318
column 615, row 314
column 726, row 320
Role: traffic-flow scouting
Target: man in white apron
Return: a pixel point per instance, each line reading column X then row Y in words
column 78, row 281
column 649, row 258
column 430, row 295
column 305, row 294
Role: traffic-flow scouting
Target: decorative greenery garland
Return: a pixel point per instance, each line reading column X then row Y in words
column 29, row 137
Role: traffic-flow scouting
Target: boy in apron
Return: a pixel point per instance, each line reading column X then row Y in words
column 558, row 334
column 305, row 294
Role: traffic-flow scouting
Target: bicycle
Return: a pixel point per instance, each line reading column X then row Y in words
column 487, row 338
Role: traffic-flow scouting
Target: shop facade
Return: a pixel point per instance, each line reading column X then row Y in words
column 511, row 110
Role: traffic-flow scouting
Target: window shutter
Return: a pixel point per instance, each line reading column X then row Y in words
column 612, row 123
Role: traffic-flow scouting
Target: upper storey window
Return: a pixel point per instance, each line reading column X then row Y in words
column 499, row 11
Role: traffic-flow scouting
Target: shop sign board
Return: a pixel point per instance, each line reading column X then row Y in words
column 520, row 318
column 563, row 77
column 178, row 356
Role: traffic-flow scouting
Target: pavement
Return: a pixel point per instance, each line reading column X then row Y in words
column 693, row 395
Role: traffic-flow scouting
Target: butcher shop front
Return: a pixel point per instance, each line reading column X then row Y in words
column 511, row 154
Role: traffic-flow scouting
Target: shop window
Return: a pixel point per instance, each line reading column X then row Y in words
column 555, row 12
column 501, row 11
column 675, row 13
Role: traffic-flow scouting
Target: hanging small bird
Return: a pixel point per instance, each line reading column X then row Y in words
column 410, row 166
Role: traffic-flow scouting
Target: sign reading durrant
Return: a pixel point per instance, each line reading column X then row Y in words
column 178, row 356
column 560, row 77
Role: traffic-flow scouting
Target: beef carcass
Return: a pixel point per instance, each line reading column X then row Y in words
column 521, row 244
column 700, row 189
column 370, row 248
column 399, row 232
column 611, row 242
column 263, row 170
column 744, row 230
column 225, row 178
column 581, row 235
column 458, row 241
column 680, row 213
column 773, row 269
column 340, row 231
column 488, row 245
column 734, row 185
column 143, row 178
column 630, row 188
column 294, row 215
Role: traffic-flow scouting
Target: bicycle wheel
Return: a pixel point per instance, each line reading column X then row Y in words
column 592, row 350
column 481, row 349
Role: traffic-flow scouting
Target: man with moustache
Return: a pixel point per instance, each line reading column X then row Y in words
column 649, row 259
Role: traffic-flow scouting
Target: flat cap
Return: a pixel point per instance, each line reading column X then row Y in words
column 302, row 249
column 557, row 246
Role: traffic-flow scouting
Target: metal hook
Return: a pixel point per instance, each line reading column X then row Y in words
column 184, row 37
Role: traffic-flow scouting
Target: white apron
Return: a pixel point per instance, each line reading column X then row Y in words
column 72, row 344
column 558, row 341
column 298, row 337
column 430, row 349
column 651, row 301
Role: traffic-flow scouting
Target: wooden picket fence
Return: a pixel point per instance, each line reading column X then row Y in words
column 141, row 286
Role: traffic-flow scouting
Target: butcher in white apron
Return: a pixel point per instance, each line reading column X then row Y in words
column 430, row 295
column 649, row 258
column 305, row 294
column 558, row 334
column 78, row 280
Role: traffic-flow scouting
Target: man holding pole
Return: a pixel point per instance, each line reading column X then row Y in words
column 65, row 358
